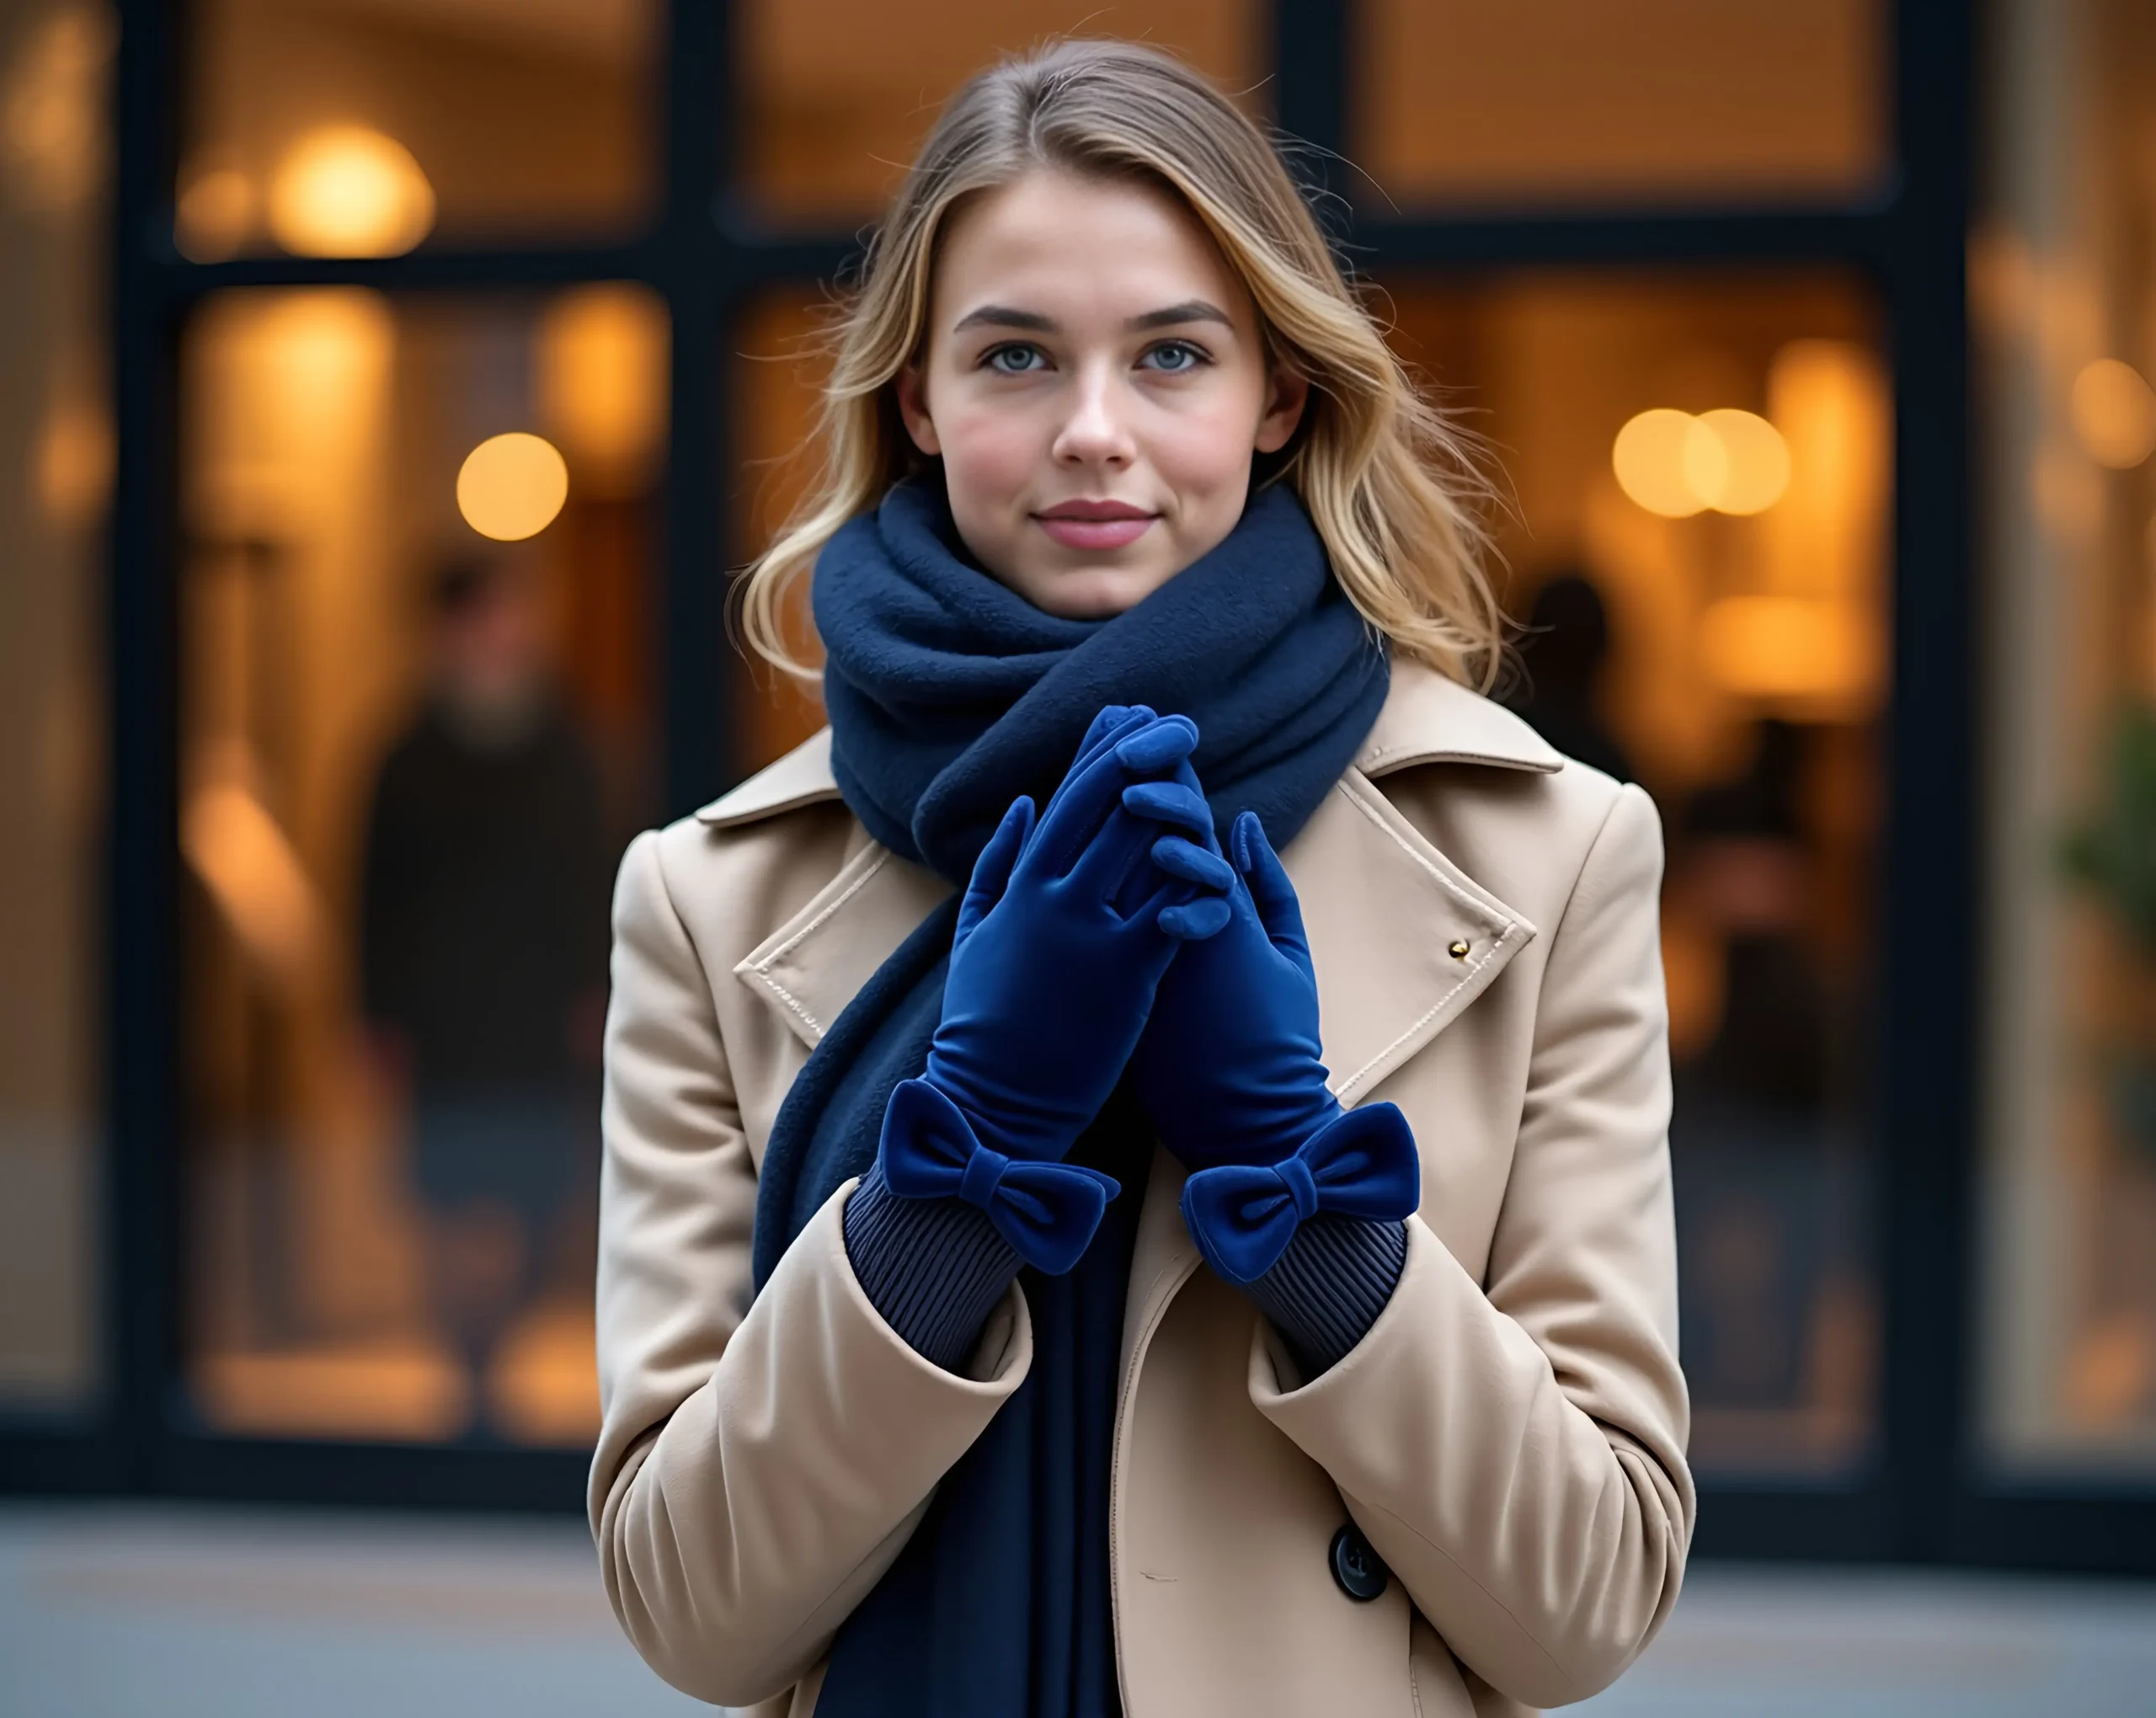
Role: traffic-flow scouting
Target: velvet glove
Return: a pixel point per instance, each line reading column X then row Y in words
column 1230, row 1068
column 1062, row 935
column 1231, row 1072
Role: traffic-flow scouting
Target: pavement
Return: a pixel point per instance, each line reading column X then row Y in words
column 130, row 1611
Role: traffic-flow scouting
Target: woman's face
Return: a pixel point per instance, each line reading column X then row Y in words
column 1094, row 384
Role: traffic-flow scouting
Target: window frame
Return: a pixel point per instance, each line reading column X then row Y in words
column 1925, row 1496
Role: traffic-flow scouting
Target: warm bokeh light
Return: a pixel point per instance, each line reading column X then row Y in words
column 2113, row 412
column 1754, row 465
column 1676, row 465
column 215, row 214
column 601, row 356
column 73, row 461
column 346, row 191
column 511, row 485
column 243, row 859
column 1649, row 459
column 1778, row 647
column 53, row 137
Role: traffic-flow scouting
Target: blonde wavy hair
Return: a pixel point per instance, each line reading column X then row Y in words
column 1390, row 483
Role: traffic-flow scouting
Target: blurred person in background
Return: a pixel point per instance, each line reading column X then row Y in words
column 482, row 953
column 1564, row 649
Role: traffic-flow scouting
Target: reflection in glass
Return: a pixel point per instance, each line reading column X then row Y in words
column 410, row 753
column 1706, row 595
column 2064, row 294
column 1545, row 100
column 356, row 128
column 55, row 469
column 841, row 93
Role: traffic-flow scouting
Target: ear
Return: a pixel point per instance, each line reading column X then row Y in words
column 913, row 408
column 1284, row 409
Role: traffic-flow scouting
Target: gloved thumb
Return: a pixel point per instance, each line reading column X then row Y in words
column 1270, row 891
column 992, row 870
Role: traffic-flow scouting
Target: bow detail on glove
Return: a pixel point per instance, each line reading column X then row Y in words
column 1047, row 1212
column 1242, row 1215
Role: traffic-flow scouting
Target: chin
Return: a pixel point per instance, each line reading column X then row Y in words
column 1094, row 594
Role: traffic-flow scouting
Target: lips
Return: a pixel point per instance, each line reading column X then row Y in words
column 1094, row 525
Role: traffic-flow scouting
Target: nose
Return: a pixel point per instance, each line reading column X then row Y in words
column 1097, row 431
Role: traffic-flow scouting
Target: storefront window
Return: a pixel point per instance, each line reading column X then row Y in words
column 360, row 128
column 416, row 733
column 1582, row 101
column 2064, row 290
column 1694, row 476
column 56, row 471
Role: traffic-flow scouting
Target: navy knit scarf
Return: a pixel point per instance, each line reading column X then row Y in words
column 949, row 695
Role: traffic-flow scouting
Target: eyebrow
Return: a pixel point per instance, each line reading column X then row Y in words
column 1003, row 316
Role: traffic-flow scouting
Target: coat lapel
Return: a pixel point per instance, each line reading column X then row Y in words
column 811, row 967
column 1401, row 938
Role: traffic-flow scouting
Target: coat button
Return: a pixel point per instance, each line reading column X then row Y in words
column 1360, row 1573
column 1458, row 949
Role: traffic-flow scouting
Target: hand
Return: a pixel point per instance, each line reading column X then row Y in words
column 1062, row 937
column 1230, row 1067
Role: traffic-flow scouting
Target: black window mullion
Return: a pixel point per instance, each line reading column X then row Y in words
column 1312, row 43
column 141, row 1270
column 1823, row 233
column 694, row 263
column 1924, row 1155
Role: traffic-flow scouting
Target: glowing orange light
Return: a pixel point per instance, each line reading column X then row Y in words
column 214, row 213
column 602, row 383
column 258, row 882
column 1777, row 647
column 511, row 486
column 1676, row 465
column 1649, row 459
column 2114, row 412
column 73, row 462
column 1754, row 464
column 346, row 191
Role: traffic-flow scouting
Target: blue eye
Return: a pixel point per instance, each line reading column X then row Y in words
column 1017, row 360
column 1174, row 356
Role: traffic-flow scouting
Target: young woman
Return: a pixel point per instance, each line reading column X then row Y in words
column 1058, row 1257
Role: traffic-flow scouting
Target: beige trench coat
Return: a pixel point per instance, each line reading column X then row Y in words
column 1510, row 1434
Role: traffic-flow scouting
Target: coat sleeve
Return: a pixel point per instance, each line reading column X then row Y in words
column 1514, row 1449
column 759, row 1465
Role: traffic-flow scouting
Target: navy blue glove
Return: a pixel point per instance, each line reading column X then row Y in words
column 1231, row 1072
column 1230, row 1068
column 1062, row 937
column 1242, row 1215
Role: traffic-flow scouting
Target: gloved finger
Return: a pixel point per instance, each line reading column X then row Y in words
column 1193, row 921
column 1193, row 864
column 1116, row 865
column 991, row 873
column 1164, row 743
column 1177, row 804
column 1075, row 813
column 1116, row 722
column 1270, row 891
column 1112, row 717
